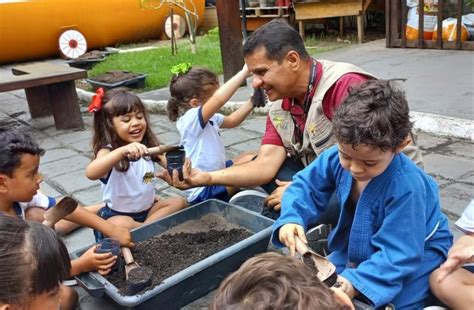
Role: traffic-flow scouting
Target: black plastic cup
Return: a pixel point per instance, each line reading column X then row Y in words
column 110, row 245
column 175, row 160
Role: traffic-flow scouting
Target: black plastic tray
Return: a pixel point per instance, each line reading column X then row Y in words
column 84, row 63
column 198, row 279
column 137, row 82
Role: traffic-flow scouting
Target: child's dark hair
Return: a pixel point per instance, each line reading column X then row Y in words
column 13, row 145
column 118, row 102
column 375, row 113
column 33, row 260
column 274, row 281
column 196, row 83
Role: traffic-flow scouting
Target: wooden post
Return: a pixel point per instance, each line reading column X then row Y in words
column 228, row 19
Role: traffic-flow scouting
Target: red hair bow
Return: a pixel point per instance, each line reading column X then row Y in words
column 96, row 103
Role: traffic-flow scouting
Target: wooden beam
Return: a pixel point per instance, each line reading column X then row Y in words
column 228, row 19
column 313, row 10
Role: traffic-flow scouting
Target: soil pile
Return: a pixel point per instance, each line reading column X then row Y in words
column 91, row 55
column 113, row 77
column 181, row 247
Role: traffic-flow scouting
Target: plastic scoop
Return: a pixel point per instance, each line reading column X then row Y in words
column 161, row 149
column 63, row 208
column 138, row 277
column 324, row 269
column 157, row 150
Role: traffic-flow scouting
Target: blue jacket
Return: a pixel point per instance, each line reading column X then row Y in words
column 396, row 238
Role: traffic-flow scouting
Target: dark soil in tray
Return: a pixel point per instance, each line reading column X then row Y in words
column 181, row 247
column 113, row 77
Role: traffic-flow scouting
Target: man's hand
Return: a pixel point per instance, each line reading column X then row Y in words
column 191, row 177
column 274, row 199
column 461, row 253
column 123, row 235
column 287, row 235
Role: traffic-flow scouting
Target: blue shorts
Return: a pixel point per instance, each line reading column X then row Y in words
column 106, row 213
column 213, row 191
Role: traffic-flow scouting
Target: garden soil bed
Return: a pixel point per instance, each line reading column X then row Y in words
column 181, row 247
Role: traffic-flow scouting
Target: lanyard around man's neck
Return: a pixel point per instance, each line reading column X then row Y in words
column 308, row 98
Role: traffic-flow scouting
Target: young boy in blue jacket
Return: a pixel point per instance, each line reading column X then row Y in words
column 391, row 233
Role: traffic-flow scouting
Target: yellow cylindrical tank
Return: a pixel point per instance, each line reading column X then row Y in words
column 31, row 29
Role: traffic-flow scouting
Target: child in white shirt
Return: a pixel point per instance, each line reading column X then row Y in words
column 196, row 93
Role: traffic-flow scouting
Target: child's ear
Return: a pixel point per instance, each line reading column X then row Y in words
column 194, row 102
column 403, row 144
column 3, row 184
column 5, row 307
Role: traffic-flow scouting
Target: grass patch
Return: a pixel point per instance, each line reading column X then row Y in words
column 157, row 62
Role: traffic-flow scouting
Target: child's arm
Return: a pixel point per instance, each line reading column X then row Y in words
column 223, row 94
column 84, row 217
column 107, row 159
column 238, row 116
column 91, row 261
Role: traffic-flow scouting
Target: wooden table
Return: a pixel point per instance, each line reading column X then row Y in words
column 331, row 8
column 49, row 90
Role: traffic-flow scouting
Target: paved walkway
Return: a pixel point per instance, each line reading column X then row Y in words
column 450, row 160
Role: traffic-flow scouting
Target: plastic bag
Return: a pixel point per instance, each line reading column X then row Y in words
column 449, row 32
column 430, row 18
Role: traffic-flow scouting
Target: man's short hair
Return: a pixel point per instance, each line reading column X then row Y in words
column 375, row 113
column 13, row 145
column 274, row 281
column 278, row 38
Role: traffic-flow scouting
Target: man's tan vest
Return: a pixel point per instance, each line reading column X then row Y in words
column 317, row 134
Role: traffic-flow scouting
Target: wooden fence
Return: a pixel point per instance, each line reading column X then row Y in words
column 396, row 26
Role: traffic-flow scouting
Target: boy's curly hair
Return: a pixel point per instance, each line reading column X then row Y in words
column 274, row 281
column 13, row 144
column 199, row 83
column 375, row 113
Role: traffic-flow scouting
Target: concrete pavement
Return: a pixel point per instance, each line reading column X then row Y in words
column 439, row 90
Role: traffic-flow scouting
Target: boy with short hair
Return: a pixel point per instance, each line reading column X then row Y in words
column 19, row 185
column 391, row 233
column 274, row 281
column 19, row 188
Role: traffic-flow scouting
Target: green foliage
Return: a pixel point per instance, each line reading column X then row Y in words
column 181, row 68
column 213, row 34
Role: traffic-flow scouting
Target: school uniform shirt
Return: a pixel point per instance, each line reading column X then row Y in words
column 396, row 236
column 202, row 143
column 39, row 200
column 127, row 191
